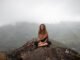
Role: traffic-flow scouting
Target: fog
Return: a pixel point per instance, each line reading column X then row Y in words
column 39, row 11
column 20, row 19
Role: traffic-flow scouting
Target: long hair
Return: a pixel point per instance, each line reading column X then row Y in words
column 44, row 31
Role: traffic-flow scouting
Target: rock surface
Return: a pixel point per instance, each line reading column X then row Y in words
column 29, row 52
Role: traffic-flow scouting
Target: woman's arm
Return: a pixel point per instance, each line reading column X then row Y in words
column 38, row 39
column 42, row 38
column 45, row 37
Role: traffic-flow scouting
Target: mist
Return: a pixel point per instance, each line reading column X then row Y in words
column 20, row 20
column 39, row 11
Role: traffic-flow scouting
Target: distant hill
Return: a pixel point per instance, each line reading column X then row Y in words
column 14, row 36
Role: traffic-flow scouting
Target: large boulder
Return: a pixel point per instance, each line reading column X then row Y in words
column 49, row 53
column 54, row 52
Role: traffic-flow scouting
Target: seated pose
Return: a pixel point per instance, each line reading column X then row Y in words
column 42, row 37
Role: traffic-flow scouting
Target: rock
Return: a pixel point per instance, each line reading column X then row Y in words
column 3, row 56
column 29, row 52
column 48, row 53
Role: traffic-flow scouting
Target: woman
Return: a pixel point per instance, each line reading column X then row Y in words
column 42, row 37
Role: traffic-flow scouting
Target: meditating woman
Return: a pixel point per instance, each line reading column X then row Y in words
column 42, row 37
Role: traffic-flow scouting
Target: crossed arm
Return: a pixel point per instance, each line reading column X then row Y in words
column 44, row 38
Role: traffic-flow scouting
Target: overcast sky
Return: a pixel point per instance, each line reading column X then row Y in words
column 39, row 11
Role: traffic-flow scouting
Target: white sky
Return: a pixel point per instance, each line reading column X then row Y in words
column 39, row 11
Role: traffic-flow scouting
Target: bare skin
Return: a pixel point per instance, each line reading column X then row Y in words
column 41, row 37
